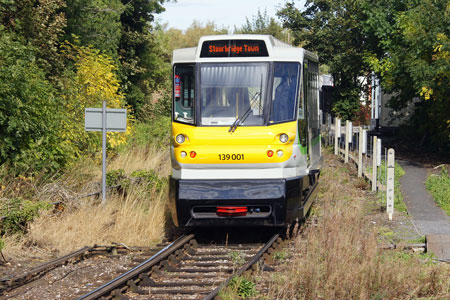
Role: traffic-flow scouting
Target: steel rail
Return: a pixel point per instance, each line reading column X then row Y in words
column 30, row 275
column 122, row 280
column 244, row 268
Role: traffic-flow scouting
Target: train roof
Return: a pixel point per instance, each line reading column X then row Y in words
column 276, row 50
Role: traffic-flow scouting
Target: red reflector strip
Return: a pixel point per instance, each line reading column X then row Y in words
column 231, row 211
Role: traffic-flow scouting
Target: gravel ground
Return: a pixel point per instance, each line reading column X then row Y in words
column 74, row 280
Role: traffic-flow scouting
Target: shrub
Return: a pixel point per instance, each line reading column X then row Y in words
column 155, row 131
column 29, row 111
column 16, row 213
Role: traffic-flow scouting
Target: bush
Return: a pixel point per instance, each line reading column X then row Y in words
column 16, row 214
column 29, row 111
column 155, row 131
column 142, row 177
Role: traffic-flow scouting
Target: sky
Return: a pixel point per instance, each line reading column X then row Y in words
column 225, row 13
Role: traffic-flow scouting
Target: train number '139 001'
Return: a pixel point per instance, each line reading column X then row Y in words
column 231, row 156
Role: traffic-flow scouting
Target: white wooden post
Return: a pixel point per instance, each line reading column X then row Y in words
column 378, row 152
column 390, row 183
column 337, row 132
column 360, row 152
column 374, row 164
column 347, row 127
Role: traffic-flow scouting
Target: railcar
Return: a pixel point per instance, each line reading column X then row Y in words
column 245, row 137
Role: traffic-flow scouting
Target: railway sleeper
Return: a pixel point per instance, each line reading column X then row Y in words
column 248, row 252
column 167, row 267
column 158, row 274
column 161, row 290
column 152, row 283
column 205, row 258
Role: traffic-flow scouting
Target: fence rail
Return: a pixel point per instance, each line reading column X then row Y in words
column 375, row 163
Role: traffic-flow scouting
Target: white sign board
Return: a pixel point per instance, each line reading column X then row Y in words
column 116, row 119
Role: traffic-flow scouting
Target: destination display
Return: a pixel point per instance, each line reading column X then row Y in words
column 234, row 48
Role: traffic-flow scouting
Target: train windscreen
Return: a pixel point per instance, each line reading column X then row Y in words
column 233, row 91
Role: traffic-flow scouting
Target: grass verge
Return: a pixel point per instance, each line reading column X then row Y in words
column 134, row 215
column 337, row 255
column 399, row 204
column 439, row 187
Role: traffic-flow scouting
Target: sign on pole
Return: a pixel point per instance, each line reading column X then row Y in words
column 116, row 119
column 103, row 119
column 390, row 183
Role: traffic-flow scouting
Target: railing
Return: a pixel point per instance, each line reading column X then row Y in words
column 375, row 163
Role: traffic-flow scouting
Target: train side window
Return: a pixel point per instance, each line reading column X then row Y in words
column 301, row 102
column 285, row 84
column 183, row 93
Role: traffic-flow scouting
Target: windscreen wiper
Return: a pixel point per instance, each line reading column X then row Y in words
column 240, row 119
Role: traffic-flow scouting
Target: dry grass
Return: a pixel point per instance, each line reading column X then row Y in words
column 134, row 218
column 142, row 158
column 338, row 257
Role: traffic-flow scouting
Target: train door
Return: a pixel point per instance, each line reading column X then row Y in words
column 303, row 114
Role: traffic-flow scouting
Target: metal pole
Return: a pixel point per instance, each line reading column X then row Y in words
column 104, row 153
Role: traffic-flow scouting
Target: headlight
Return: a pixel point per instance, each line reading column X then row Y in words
column 180, row 139
column 284, row 138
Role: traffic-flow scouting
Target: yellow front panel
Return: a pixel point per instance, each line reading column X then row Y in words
column 215, row 145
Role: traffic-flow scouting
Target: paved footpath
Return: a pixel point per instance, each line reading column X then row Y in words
column 427, row 216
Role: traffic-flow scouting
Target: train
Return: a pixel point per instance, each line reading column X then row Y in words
column 245, row 134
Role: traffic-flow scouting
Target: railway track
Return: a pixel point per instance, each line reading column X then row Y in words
column 186, row 269
column 43, row 276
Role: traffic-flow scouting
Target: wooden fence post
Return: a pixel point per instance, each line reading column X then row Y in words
column 347, row 127
column 337, row 131
column 374, row 164
column 390, row 183
column 360, row 152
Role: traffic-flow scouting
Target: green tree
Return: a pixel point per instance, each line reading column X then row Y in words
column 413, row 61
column 142, row 59
column 333, row 29
column 177, row 38
column 40, row 23
column 95, row 23
column 29, row 116
column 261, row 23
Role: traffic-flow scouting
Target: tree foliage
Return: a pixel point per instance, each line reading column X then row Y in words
column 261, row 23
column 406, row 42
column 177, row 38
column 334, row 30
column 413, row 61
column 29, row 118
